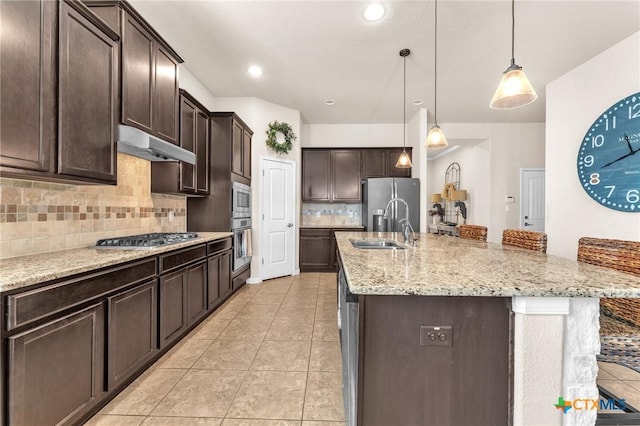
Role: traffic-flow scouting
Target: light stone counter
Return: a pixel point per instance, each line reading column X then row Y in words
column 18, row 272
column 448, row 266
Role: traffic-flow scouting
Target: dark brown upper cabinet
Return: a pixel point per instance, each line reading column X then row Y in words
column 241, row 151
column 48, row 45
column 346, row 176
column 331, row 175
column 381, row 162
column 149, row 71
column 181, row 177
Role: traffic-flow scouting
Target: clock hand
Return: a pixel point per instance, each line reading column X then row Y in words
column 626, row 138
column 623, row 157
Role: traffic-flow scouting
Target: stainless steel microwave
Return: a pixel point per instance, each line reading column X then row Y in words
column 240, row 200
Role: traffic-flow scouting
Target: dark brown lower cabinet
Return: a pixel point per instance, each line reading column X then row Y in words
column 196, row 292
column 315, row 250
column 56, row 370
column 131, row 347
column 318, row 249
column 183, row 300
column 68, row 346
column 173, row 315
column 219, row 284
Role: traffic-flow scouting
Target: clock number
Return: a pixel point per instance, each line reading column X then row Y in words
column 633, row 196
column 634, row 111
column 597, row 141
column 594, row 178
column 588, row 160
column 613, row 125
column 611, row 189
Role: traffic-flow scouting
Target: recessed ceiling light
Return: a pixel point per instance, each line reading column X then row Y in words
column 329, row 102
column 374, row 12
column 255, row 70
column 418, row 102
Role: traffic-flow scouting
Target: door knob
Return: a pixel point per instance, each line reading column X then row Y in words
column 526, row 217
column 289, row 225
column 528, row 224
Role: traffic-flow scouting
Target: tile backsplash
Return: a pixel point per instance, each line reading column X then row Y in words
column 326, row 214
column 37, row 217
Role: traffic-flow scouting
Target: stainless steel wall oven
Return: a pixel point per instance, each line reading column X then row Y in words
column 242, row 250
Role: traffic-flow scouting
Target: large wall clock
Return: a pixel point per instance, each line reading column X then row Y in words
column 609, row 157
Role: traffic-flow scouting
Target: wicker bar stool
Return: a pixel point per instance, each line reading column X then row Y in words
column 473, row 232
column 530, row 240
column 615, row 254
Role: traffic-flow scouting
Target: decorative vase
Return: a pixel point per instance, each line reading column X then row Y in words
column 436, row 219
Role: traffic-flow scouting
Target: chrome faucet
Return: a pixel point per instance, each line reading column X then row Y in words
column 406, row 226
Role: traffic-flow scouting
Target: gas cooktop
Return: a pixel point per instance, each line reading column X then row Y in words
column 146, row 241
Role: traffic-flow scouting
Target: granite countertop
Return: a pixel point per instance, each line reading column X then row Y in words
column 18, row 272
column 448, row 266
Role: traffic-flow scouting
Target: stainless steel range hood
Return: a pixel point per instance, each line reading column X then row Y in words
column 135, row 142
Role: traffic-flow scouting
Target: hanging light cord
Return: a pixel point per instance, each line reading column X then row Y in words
column 513, row 31
column 404, row 100
column 435, row 67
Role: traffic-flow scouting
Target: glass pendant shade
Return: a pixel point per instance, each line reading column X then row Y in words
column 435, row 138
column 514, row 90
column 404, row 162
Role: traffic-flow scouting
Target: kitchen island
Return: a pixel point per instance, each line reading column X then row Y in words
column 464, row 332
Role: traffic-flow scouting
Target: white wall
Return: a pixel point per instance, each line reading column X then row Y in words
column 352, row 135
column 490, row 169
column 258, row 113
column 574, row 101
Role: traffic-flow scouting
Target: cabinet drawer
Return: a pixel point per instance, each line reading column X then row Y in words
column 217, row 246
column 308, row 232
column 179, row 258
column 29, row 306
column 241, row 279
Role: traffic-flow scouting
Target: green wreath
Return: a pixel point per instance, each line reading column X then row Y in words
column 289, row 136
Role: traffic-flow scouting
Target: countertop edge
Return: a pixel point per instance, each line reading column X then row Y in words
column 24, row 271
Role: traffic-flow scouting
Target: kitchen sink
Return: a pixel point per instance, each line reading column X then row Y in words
column 377, row 244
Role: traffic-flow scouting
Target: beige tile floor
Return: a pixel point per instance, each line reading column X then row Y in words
column 269, row 356
column 621, row 381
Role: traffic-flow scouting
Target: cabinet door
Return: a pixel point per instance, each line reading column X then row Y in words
column 173, row 312
column 27, row 84
column 374, row 163
column 165, row 107
column 87, row 104
column 236, row 151
column 187, row 141
column 202, row 153
column 137, row 74
column 316, row 169
column 213, row 282
column 225, row 274
column 56, row 370
column 315, row 250
column 246, row 153
column 346, row 175
column 392, row 159
column 130, row 347
column 196, row 292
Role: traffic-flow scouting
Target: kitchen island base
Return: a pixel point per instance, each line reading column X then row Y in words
column 411, row 370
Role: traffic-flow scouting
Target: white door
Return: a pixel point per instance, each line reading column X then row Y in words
column 532, row 199
column 278, row 207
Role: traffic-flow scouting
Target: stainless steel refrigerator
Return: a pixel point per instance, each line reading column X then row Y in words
column 376, row 192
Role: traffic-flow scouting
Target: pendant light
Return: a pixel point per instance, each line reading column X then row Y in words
column 435, row 138
column 404, row 161
column 514, row 89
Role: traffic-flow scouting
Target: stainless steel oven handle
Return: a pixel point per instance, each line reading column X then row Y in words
column 248, row 250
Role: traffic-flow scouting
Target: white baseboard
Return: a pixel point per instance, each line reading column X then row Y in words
column 254, row 280
column 296, row 272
